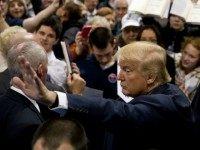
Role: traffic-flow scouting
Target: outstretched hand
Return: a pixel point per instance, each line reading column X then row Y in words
column 31, row 84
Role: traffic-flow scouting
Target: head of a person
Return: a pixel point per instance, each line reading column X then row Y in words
column 190, row 58
column 98, row 21
column 149, row 33
column 130, row 27
column 70, row 11
column 177, row 23
column 60, row 134
column 17, row 8
column 34, row 53
column 102, row 44
column 121, row 8
column 109, row 14
column 142, row 68
column 46, row 3
column 3, row 7
column 12, row 36
column 91, row 4
column 48, row 32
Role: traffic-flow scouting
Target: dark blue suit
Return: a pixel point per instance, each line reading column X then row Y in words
column 159, row 119
column 19, row 119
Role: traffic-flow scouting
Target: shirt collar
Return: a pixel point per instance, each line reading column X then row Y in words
column 22, row 93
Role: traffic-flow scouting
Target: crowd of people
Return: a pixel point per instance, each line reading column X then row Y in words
column 45, row 107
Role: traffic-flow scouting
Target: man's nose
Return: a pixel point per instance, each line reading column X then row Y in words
column 120, row 76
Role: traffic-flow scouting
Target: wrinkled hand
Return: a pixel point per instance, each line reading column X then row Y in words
column 76, row 84
column 31, row 84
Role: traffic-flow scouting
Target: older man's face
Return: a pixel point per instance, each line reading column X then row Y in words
column 133, row 82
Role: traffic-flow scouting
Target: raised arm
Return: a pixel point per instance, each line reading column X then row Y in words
column 31, row 23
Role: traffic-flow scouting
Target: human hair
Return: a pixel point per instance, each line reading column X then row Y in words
column 58, row 131
column 53, row 22
column 31, row 50
column 103, row 11
column 116, row 3
column 195, row 41
column 74, row 10
column 98, row 21
column 101, row 37
column 21, row 2
column 150, row 56
column 155, row 30
column 6, row 38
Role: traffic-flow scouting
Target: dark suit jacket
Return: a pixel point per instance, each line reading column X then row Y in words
column 19, row 119
column 159, row 119
column 5, row 79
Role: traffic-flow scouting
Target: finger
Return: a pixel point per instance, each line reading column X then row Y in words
column 75, row 68
column 17, row 82
column 69, row 79
column 30, row 71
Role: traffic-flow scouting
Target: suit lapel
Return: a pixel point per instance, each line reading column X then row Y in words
column 22, row 99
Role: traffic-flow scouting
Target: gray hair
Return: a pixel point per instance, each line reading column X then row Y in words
column 98, row 21
column 31, row 50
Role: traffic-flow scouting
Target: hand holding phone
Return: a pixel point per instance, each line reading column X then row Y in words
column 85, row 31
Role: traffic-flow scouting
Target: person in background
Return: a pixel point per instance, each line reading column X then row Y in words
column 48, row 33
column 173, row 34
column 80, row 49
column 188, row 66
column 72, row 22
column 109, row 14
column 90, row 8
column 17, row 12
column 60, row 134
column 99, row 69
column 29, row 23
column 131, row 23
column 121, row 8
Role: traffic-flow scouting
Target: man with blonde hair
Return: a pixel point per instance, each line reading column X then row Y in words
column 159, row 116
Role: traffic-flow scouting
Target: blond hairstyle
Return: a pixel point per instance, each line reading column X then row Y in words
column 6, row 38
column 150, row 56
column 195, row 41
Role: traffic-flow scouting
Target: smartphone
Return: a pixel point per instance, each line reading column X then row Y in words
column 85, row 31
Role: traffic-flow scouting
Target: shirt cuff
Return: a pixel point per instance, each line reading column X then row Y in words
column 62, row 100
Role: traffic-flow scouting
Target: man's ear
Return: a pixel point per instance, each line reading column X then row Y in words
column 150, row 78
column 41, row 71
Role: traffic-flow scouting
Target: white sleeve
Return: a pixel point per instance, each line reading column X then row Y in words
column 62, row 103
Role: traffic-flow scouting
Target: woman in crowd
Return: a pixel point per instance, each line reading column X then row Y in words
column 188, row 66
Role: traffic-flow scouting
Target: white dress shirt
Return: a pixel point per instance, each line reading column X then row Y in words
column 62, row 100
column 57, row 70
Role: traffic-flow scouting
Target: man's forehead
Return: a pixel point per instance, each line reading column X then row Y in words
column 128, row 62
